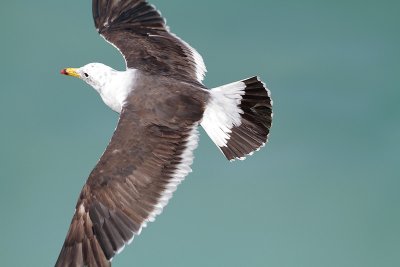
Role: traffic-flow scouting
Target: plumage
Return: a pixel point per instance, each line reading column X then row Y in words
column 161, row 101
column 139, row 32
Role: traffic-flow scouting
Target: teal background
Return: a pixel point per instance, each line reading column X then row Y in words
column 323, row 192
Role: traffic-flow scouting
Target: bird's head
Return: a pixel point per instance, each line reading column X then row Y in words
column 94, row 74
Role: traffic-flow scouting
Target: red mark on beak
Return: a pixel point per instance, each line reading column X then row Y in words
column 64, row 72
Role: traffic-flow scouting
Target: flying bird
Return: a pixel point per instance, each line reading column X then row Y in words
column 161, row 101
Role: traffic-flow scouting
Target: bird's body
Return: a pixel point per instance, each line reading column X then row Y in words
column 162, row 101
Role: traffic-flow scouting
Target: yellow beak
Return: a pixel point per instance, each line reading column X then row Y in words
column 70, row 72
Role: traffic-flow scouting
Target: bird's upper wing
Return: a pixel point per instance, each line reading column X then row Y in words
column 149, row 154
column 140, row 33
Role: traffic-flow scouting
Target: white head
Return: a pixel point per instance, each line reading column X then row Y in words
column 94, row 74
column 113, row 86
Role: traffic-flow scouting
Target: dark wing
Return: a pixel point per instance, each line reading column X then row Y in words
column 149, row 154
column 137, row 29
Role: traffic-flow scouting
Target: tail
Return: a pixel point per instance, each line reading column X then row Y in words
column 238, row 117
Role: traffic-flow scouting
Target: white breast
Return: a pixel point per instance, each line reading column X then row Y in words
column 116, row 88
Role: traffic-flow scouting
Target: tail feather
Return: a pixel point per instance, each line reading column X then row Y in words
column 238, row 117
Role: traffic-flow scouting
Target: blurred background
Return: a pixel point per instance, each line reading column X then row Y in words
column 323, row 192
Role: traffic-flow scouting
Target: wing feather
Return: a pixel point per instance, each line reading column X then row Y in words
column 146, row 159
column 140, row 33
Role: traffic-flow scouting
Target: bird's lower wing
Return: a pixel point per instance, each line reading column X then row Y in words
column 149, row 154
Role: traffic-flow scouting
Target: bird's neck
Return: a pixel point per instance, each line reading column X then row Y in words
column 115, row 88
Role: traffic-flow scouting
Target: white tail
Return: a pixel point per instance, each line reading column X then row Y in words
column 238, row 117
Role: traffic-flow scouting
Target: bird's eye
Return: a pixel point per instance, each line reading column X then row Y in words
column 86, row 75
